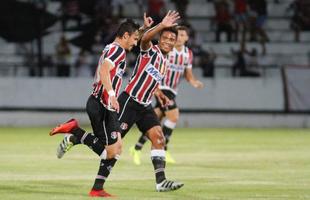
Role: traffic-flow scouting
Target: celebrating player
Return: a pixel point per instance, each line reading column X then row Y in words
column 180, row 63
column 135, row 101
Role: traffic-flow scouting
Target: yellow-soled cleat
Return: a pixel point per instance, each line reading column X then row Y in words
column 136, row 155
column 169, row 158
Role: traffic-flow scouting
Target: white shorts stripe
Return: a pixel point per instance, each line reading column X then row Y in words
column 124, row 107
column 83, row 137
column 105, row 132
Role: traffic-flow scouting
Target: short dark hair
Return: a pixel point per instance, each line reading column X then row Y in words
column 183, row 28
column 128, row 26
column 170, row 29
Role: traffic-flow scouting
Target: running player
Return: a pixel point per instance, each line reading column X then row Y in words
column 180, row 63
column 102, row 105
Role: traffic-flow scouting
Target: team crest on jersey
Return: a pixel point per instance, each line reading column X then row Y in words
column 124, row 126
column 151, row 70
column 114, row 135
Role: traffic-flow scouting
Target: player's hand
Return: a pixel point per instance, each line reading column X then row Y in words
column 148, row 21
column 114, row 103
column 170, row 19
column 163, row 100
column 197, row 84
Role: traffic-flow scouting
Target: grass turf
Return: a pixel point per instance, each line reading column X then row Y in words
column 234, row 164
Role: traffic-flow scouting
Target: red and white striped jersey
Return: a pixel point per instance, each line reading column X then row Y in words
column 178, row 61
column 149, row 70
column 116, row 55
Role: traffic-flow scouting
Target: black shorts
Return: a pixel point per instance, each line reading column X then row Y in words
column 103, row 121
column 172, row 98
column 132, row 112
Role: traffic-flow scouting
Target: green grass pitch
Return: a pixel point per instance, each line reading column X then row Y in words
column 232, row 164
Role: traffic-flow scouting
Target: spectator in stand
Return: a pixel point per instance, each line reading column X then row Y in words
column 48, row 62
column 300, row 20
column 96, row 50
column 82, row 65
column 241, row 18
column 241, row 65
column 117, row 6
column 259, row 14
column 63, row 54
column 70, row 10
column 207, row 60
column 223, row 20
column 103, row 12
column 156, row 10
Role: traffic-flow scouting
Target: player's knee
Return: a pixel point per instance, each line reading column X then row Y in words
column 157, row 137
column 114, row 150
column 174, row 118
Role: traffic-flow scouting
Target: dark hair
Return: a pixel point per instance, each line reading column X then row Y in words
column 183, row 28
column 128, row 26
column 170, row 29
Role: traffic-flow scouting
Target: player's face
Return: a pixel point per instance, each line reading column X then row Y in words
column 167, row 41
column 132, row 40
column 182, row 37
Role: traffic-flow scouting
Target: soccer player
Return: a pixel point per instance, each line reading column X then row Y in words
column 102, row 105
column 180, row 63
column 135, row 100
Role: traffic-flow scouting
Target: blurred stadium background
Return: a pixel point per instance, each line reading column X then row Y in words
column 257, row 79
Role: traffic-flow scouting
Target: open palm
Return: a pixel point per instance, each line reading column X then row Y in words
column 170, row 19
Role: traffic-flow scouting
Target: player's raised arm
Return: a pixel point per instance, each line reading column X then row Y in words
column 148, row 22
column 168, row 21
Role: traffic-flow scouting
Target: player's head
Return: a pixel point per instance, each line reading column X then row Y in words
column 183, row 35
column 167, row 39
column 128, row 34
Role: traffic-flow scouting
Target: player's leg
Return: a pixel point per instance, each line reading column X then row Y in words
column 104, row 171
column 76, row 136
column 96, row 141
column 135, row 151
column 125, row 120
column 150, row 125
column 105, row 168
column 142, row 139
column 111, row 126
column 172, row 117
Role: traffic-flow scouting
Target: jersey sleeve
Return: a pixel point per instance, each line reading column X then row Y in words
column 190, row 59
column 114, row 55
